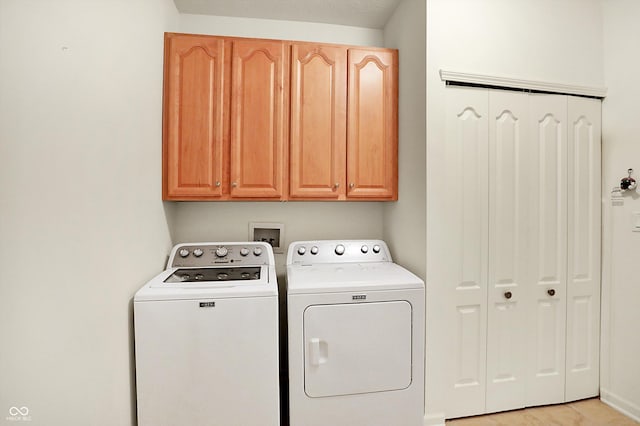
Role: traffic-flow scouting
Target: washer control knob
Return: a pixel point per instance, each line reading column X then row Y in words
column 364, row 249
column 198, row 252
column 376, row 249
column 184, row 252
column 257, row 251
column 314, row 250
column 221, row 251
column 244, row 251
column 339, row 249
column 301, row 250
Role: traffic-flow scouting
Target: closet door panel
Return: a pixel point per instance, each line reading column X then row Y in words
column 465, row 252
column 508, row 209
column 583, row 287
column 548, row 248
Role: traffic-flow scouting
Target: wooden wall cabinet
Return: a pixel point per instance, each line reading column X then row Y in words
column 275, row 120
column 258, row 118
column 343, row 123
column 194, row 126
column 372, row 138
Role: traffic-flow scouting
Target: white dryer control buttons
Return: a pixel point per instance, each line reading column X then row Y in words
column 198, row 252
column 221, row 251
column 244, row 251
column 364, row 249
column 184, row 252
column 339, row 250
column 314, row 250
column 301, row 250
column 257, row 251
column 376, row 249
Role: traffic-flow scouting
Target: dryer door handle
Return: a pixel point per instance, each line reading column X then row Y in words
column 318, row 351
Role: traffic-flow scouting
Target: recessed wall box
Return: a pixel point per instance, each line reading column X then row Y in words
column 268, row 232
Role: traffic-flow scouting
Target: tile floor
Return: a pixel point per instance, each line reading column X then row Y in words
column 588, row 412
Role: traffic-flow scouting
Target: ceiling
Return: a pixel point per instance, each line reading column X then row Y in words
column 358, row 13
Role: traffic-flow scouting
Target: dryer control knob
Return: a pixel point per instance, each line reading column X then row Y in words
column 184, row 252
column 364, row 249
column 198, row 252
column 301, row 250
column 221, row 251
column 339, row 249
column 244, row 251
column 376, row 249
column 314, row 250
column 257, row 251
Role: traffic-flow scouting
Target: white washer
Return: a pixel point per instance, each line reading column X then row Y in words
column 206, row 338
column 356, row 336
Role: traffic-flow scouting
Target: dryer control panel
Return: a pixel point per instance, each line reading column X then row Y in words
column 337, row 251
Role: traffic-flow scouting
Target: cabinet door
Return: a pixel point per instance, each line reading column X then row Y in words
column 548, row 250
column 372, row 138
column 583, row 274
column 194, row 129
column 258, row 118
column 463, row 251
column 508, row 212
column 318, row 121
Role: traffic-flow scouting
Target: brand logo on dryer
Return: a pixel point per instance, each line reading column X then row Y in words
column 359, row 297
column 207, row 304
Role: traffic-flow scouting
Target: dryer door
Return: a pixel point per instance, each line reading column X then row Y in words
column 357, row 348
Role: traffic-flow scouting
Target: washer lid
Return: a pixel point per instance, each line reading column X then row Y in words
column 340, row 277
column 162, row 287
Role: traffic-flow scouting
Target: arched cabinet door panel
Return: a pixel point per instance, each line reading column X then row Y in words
column 194, row 130
column 372, row 134
column 318, row 121
column 259, row 89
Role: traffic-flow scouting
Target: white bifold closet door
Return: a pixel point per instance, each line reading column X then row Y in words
column 464, row 252
column 522, row 261
column 509, row 189
column 583, row 260
column 547, row 252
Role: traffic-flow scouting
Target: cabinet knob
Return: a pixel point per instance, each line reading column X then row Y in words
column 234, row 184
column 551, row 292
column 507, row 294
column 351, row 185
column 336, row 185
column 218, row 183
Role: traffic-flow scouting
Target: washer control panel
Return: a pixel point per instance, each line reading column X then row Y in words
column 215, row 254
column 338, row 251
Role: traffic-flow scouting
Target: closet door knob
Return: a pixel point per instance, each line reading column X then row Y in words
column 551, row 292
column 217, row 183
column 507, row 295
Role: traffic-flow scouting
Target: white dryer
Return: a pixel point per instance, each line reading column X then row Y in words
column 206, row 338
column 356, row 336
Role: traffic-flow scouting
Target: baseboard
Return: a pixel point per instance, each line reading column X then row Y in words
column 436, row 419
column 625, row 407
